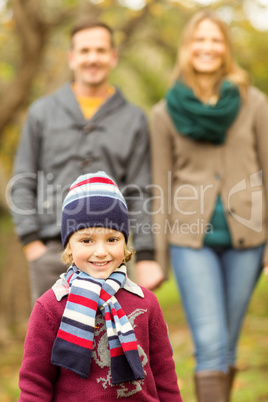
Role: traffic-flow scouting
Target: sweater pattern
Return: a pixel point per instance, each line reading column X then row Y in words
column 101, row 356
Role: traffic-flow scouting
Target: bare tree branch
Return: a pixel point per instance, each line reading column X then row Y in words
column 32, row 31
column 132, row 25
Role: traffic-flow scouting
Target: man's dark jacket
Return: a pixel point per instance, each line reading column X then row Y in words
column 58, row 144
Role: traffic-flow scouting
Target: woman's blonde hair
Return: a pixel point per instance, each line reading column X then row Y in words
column 67, row 258
column 230, row 70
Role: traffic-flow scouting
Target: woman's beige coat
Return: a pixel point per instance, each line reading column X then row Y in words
column 188, row 175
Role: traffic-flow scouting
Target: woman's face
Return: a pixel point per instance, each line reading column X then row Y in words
column 208, row 48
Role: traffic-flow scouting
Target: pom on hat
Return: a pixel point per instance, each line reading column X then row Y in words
column 94, row 200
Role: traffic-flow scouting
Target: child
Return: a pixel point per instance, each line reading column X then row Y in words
column 97, row 336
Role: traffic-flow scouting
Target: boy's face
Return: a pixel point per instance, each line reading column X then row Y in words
column 97, row 251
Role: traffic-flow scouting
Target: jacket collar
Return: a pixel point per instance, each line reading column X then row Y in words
column 61, row 288
column 66, row 97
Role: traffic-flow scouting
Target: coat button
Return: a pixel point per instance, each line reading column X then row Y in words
column 241, row 241
column 89, row 127
column 218, row 176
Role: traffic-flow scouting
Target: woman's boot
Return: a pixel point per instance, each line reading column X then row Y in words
column 231, row 375
column 212, row 386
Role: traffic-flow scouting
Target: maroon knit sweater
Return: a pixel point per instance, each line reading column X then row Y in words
column 39, row 380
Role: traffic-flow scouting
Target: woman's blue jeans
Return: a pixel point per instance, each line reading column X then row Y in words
column 215, row 287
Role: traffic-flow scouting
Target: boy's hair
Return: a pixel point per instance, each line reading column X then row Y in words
column 93, row 201
column 68, row 259
column 86, row 24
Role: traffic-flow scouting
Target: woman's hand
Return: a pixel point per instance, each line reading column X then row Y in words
column 266, row 271
column 149, row 274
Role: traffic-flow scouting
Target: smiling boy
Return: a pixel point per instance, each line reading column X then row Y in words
column 96, row 335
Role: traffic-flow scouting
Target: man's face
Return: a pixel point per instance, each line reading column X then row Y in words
column 92, row 57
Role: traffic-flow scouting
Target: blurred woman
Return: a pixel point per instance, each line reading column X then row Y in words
column 210, row 163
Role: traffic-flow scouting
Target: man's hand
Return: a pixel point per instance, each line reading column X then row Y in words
column 34, row 250
column 149, row 274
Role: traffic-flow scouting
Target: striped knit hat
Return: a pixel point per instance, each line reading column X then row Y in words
column 94, row 200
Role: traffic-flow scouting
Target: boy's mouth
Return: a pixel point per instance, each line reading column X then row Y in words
column 100, row 264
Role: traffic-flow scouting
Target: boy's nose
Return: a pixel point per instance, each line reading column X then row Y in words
column 100, row 250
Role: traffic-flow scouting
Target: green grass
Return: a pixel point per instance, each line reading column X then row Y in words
column 251, row 383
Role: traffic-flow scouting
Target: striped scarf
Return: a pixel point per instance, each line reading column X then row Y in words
column 73, row 345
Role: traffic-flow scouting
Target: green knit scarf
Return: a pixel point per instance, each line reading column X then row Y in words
column 201, row 121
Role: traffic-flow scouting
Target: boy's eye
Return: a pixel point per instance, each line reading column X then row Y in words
column 86, row 240
column 112, row 239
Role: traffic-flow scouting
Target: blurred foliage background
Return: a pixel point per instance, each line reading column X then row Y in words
column 34, row 40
